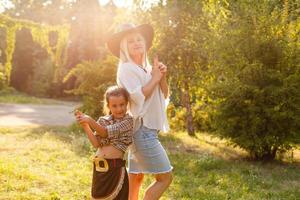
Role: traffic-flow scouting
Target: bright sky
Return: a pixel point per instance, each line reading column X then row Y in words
column 128, row 3
column 7, row 4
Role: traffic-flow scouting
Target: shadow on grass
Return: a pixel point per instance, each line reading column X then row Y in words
column 201, row 175
column 177, row 144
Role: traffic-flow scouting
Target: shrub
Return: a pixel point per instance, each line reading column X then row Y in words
column 262, row 119
column 176, row 116
column 2, row 77
column 256, row 84
column 256, row 79
column 42, row 78
column 92, row 80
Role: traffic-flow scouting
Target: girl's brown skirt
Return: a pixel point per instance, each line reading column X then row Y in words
column 112, row 184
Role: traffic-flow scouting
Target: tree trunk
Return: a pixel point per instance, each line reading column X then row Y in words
column 187, row 104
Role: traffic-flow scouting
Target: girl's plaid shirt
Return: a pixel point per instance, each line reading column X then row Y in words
column 119, row 131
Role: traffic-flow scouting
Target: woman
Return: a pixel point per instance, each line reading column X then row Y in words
column 148, row 91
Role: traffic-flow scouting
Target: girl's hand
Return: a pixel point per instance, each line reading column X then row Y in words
column 82, row 118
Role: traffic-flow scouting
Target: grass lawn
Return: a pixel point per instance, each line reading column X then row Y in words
column 12, row 96
column 55, row 163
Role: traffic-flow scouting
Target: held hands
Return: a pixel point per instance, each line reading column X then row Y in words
column 159, row 70
column 82, row 118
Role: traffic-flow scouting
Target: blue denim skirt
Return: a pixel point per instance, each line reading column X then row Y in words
column 146, row 154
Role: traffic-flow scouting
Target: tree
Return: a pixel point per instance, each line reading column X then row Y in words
column 88, row 43
column 178, row 42
column 255, row 75
column 40, row 35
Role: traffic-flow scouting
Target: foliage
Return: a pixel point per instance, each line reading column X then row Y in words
column 93, row 78
column 178, row 40
column 42, row 78
column 40, row 34
column 2, row 77
column 176, row 116
column 233, row 67
column 256, row 79
column 57, row 27
column 31, row 71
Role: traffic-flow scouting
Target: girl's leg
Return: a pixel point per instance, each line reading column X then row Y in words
column 157, row 188
column 135, row 181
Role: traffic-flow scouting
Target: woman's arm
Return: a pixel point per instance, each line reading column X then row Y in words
column 164, row 86
column 163, row 82
column 149, row 87
column 156, row 78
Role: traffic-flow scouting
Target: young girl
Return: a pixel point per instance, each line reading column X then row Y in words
column 112, row 136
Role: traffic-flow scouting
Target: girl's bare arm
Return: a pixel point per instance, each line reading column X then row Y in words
column 92, row 138
column 85, row 119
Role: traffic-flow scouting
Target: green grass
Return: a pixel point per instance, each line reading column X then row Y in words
column 55, row 163
column 10, row 95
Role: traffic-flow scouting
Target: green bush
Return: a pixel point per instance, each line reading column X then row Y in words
column 8, row 91
column 2, row 80
column 176, row 116
column 92, row 80
column 202, row 119
column 262, row 119
column 256, row 79
column 2, row 77
column 42, row 78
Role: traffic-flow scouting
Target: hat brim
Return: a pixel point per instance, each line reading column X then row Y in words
column 113, row 43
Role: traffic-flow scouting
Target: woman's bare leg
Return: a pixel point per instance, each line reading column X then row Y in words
column 157, row 188
column 135, row 182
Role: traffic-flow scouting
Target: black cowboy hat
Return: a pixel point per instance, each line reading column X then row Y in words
column 113, row 42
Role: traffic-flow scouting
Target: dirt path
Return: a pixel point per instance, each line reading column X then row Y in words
column 30, row 114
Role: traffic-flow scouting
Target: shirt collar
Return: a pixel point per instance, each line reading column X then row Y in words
column 111, row 118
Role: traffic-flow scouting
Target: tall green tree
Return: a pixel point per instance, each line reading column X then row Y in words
column 40, row 19
column 178, row 40
column 255, row 74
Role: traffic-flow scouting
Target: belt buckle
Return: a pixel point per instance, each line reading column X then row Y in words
column 97, row 161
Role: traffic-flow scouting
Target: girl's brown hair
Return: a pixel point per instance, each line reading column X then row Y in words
column 113, row 91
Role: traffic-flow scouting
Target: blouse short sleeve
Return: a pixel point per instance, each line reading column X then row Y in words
column 129, row 78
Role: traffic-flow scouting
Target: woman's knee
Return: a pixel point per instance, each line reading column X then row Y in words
column 165, row 178
column 136, row 178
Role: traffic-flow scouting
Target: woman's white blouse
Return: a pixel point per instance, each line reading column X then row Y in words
column 153, row 109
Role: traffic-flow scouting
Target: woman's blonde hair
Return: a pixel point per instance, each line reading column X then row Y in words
column 115, row 91
column 124, row 54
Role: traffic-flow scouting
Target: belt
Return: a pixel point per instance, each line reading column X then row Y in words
column 103, row 164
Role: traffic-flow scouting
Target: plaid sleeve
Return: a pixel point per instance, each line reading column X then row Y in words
column 116, row 129
column 102, row 122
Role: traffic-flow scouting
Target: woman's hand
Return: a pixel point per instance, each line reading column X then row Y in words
column 156, row 71
column 163, row 69
column 163, row 80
